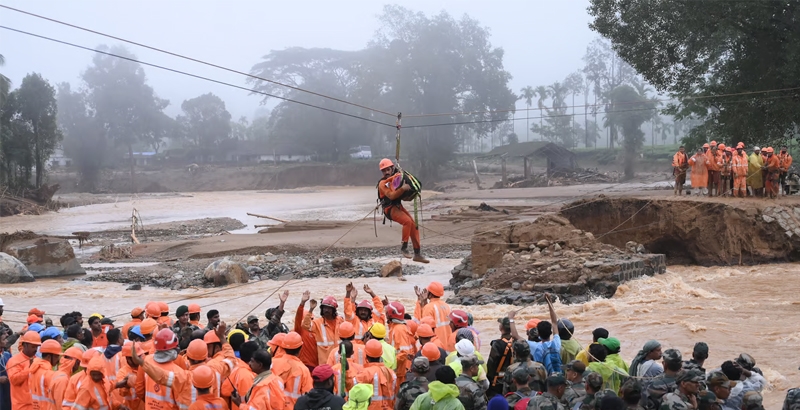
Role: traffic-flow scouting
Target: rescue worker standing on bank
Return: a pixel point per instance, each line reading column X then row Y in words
column 714, row 165
column 680, row 163
column 324, row 328
column 382, row 378
column 739, row 168
column 785, row 162
column 390, row 198
column 699, row 170
column 363, row 315
column 772, row 167
column 430, row 304
column 18, row 368
column 754, row 179
column 171, row 387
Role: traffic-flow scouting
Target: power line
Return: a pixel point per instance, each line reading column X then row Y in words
column 193, row 75
column 195, row 60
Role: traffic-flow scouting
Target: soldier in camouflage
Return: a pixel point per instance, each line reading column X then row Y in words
column 792, row 401
column 665, row 382
column 551, row 399
column 752, row 401
column 415, row 386
column 522, row 355
column 719, row 384
column 706, row 400
column 469, row 392
column 685, row 397
column 593, row 383
column 522, row 390
column 748, row 363
column 631, row 393
column 575, row 387
column 699, row 356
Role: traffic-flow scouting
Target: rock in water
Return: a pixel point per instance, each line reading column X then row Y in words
column 392, row 268
column 12, row 270
column 46, row 257
column 225, row 272
column 341, row 263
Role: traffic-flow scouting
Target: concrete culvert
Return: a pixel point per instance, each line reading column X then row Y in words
column 694, row 232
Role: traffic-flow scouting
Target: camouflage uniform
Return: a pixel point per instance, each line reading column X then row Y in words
column 535, row 369
column 470, row 393
column 662, row 384
column 592, row 401
column 706, row 400
column 792, row 401
column 632, row 388
column 692, row 364
column 409, row 391
column 573, row 394
column 545, row 401
column 514, row 397
column 753, row 401
column 676, row 401
column 185, row 332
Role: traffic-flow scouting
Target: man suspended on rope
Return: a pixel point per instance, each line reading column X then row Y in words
column 390, row 194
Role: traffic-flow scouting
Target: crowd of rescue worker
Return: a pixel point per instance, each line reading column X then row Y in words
column 717, row 170
column 393, row 360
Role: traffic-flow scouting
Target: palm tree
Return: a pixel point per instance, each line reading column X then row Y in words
column 543, row 93
column 527, row 94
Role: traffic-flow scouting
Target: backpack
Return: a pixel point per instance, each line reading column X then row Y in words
column 412, row 181
column 523, row 403
column 551, row 357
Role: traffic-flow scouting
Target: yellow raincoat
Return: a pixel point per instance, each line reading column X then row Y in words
column 754, row 178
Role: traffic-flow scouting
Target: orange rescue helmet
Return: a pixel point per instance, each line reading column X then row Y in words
column 740, row 145
column 148, row 326
column 713, row 143
column 436, row 289
column 194, row 308
column 412, row 326
column 385, row 163
column 769, row 150
column 32, row 338
column 127, row 350
column 531, row 324
column 428, row 321
column 211, row 337
column 163, row 307
column 373, row 348
column 706, row 145
column 203, row 377
column 88, row 356
column 152, row 309
column 75, row 353
column 136, row 312
column 97, row 364
column 50, row 347
column 197, row 350
column 425, row 330
column 431, row 351
column 722, row 146
column 276, row 341
column 292, row 340
column 346, row 330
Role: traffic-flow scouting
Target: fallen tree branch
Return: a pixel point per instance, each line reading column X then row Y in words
column 268, row 217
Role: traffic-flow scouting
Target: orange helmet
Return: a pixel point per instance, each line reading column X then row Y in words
column 127, row 350
column 32, row 338
column 412, row 326
column 197, row 350
column 211, row 337
column 706, row 145
column 721, row 146
column 425, row 330
column 203, row 377
column 713, row 143
column 148, row 326
column 136, row 312
column 428, row 321
column 395, row 310
column 194, row 308
column 373, row 348
column 436, row 289
column 531, row 324
column 50, row 347
column 276, row 342
column 431, row 351
column 346, row 330
column 329, row 301
column 74, row 353
column 740, row 145
column 385, row 163
column 163, row 307
column 152, row 309
column 88, row 356
column 769, row 150
column 165, row 340
column 292, row 340
column 459, row 318
column 97, row 364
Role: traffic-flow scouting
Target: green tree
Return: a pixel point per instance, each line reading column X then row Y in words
column 126, row 107
column 37, row 109
column 527, row 93
column 574, row 84
column 544, row 93
column 5, row 83
column 206, row 122
column 629, row 110
column 239, row 128
column 558, row 127
column 712, row 49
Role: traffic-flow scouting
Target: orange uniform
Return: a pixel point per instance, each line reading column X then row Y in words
column 362, row 326
column 18, row 369
column 773, row 165
column 394, row 210
column 785, row 161
column 404, row 343
column 100, row 340
column 384, row 385
column 739, row 167
column 308, row 353
column 127, row 326
column 208, row 402
column 91, row 394
column 325, row 334
column 112, row 366
column 351, row 376
column 267, row 393
column 440, row 312
column 71, row 392
column 168, row 388
column 41, row 381
column 358, row 356
column 295, row 377
column 241, row 379
column 699, row 166
column 126, row 395
column 222, row 364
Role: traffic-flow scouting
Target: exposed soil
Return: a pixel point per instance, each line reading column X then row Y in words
column 695, row 232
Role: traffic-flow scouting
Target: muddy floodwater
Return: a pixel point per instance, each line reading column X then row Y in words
column 749, row 309
column 754, row 309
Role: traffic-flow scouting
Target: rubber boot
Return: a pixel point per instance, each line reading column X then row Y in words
column 404, row 250
column 418, row 257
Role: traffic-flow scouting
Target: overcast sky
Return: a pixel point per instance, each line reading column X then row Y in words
column 543, row 40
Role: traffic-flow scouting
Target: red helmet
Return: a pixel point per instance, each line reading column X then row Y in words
column 165, row 340
column 395, row 310
column 459, row 318
column 329, row 301
column 364, row 304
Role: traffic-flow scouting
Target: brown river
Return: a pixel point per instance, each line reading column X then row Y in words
column 752, row 309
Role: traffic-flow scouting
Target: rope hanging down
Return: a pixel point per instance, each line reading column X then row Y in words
column 397, row 139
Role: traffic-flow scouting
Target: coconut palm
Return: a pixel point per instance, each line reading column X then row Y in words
column 527, row 94
column 543, row 94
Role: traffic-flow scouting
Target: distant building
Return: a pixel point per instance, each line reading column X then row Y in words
column 141, row 158
column 58, row 159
